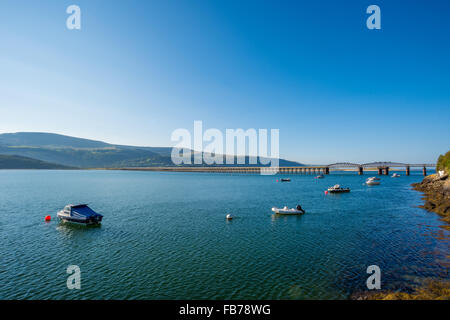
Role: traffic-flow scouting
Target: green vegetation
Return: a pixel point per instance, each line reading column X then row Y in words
column 432, row 290
column 443, row 162
column 18, row 162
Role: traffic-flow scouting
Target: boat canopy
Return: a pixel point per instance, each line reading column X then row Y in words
column 84, row 211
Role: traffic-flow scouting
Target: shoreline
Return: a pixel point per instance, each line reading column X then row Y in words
column 436, row 194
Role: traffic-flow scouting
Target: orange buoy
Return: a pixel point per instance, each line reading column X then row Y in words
column 48, row 218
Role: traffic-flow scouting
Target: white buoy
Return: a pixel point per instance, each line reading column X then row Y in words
column 229, row 217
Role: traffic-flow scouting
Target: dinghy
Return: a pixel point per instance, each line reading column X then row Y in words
column 287, row 211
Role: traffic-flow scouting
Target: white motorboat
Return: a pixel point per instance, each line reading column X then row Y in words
column 372, row 182
column 79, row 214
column 395, row 175
column 287, row 211
column 338, row 189
column 374, row 178
column 320, row 176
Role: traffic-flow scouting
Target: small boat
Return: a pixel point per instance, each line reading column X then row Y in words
column 320, row 176
column 229, row 217
column 374, row 178
column 395, row 175
column 372, row 182
column 338, row 189
column 285, row 180
column 79, row 214
column 287, row 211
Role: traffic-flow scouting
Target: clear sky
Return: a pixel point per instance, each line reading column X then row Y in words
column 137, row 70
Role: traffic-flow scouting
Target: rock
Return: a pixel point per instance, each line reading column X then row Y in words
column 436, row 191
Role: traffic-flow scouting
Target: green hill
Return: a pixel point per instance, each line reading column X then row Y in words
column 443, row 162
column 42, row 139
column 18, row 162
column 85, row 153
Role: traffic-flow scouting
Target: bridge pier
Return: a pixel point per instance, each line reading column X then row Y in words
column 386, row 171
column 424, row 170
column 407, row 170
column 380, row 171
column 327, row 170
column 360, row 171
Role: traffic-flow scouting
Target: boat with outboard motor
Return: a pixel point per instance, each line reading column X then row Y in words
column 288, row 211
column 79, row 214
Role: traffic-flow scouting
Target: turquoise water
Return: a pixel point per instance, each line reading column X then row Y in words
column 165, row 236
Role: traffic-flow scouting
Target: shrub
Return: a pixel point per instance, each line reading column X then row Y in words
column 443, row 162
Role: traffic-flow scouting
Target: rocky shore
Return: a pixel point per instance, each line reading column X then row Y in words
column 436, row 191
column 430, row 290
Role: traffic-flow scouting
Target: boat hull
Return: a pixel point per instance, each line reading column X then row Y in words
column 339, row 191
column 86, row 222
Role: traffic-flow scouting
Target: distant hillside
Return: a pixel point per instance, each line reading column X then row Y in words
column 40, row 139
column 18, row 162
column 85, row 153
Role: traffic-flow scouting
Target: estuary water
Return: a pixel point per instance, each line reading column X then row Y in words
column 164, row 236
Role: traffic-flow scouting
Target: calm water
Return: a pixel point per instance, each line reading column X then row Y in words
column 165, row 236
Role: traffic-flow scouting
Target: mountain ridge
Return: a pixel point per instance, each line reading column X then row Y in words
column 85, row 153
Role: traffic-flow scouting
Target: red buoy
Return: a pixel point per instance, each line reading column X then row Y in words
column 48, row 218
column 326, row 192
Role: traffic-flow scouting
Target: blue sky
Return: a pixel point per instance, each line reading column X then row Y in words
column 137, row 70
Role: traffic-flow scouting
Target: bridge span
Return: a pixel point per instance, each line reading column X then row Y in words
column 381, row 167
